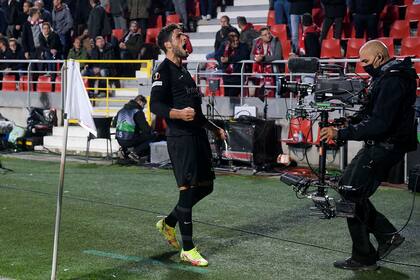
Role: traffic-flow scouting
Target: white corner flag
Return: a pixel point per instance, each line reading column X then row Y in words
column 78, row 106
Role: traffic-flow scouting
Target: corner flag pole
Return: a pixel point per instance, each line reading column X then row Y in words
column 60, row 186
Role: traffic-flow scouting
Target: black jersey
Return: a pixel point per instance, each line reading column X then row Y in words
column 174, row 88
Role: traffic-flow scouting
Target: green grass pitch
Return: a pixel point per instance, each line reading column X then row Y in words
column 249, row 228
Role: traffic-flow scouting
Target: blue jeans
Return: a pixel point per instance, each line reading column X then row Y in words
column 281, row 8
column 206, row 7
column 294, row 24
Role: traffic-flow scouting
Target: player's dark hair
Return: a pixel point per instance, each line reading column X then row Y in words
column 141, row 98
column 165, row 35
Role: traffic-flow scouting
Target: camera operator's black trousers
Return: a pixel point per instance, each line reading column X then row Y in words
column 364, row 174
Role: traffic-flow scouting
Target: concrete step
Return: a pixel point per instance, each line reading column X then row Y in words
column 238, row 3
column 78, row 145
column 202, row 42
column 192, row 57
column 253, row 7
column 205, row 50
column 74, row 131
column 213, row 28
column 261, row 12
column 254, row 20
column 202, row 35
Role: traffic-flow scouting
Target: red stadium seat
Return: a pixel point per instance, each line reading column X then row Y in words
column 389, row 43
column 300, row 132
column 151, row 35
column 353, row 47
column 118, row 33
column 410, row 46
column 286, row 48
column 258, row 27
column 331, row 48
column 155, row 22
column 412, row 13
column 57, row 84
column 390, row 13
column 360, row 71
column 23, row 84
column 271, row 18
column 279, row 31
column 408, row 2
column 400, row 29
column 215, row 87
column 175, row 18
column 44, row 84
column 9, row 83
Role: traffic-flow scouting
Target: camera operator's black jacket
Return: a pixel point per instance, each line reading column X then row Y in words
column 389, row 115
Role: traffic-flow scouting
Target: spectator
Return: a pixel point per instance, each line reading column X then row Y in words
column 50, row 46
column 45, row 14
column 87, row 42
column 225, row 29
column 78, row 52
column 206, row 8
column 282, row 11
column 181, row 9
column 264, row 51
column 98, row 23
column 310, row 43
column 132, row 42
column 297, row 9
column 139, row 12
column 102, row 51
column 17, row 54
column 118, row 8
column 365, row 17
column 334, row 11
column 23, row 17
column 11, row 9
column 31, row 31
column 248, row 33
column 4, row 54
column 81, row 16
column 62, row 22
column 3, row 23
column 228, row 54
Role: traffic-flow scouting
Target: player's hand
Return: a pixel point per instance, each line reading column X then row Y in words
column 220, row 133
column 328, row 133
column 187, row 114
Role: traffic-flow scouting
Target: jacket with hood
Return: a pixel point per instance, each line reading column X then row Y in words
column 389, row 114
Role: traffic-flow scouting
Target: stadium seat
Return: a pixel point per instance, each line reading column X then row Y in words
column 155, row 22
column 279, row 31
column 400, row 29
column 359, row 69
column 331, row 48
column 412, row 13
column 300, row 132
column 390, row 13
column 258, row 27
column 410, row 46
column 23, row 83
column 408, row 2
column 353, row 47
column 44, row 84
column 173, row 19
column 57, row 84
column 271, row 18
column 151, row 35
column 215, row 87
column 389, row 43
column 286, row 48
column 118, row 33
column 9, row 83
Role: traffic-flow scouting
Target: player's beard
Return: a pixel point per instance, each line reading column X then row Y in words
column 181, row 53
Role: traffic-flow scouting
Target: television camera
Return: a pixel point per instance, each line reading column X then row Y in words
column 331, row 90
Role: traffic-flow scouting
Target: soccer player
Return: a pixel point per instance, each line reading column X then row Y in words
column 176, row 97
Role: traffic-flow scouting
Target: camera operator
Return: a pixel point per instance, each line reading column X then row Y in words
column 387, row 126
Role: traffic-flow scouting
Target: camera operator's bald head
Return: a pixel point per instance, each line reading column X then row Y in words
column 374, row 52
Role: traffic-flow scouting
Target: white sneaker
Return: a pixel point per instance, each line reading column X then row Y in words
column 203, row 17
column 208, row 17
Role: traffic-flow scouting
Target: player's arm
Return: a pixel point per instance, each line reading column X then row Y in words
column 161, row 102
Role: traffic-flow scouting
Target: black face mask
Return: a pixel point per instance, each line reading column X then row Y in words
column 372, row 71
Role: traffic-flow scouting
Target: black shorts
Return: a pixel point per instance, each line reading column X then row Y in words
column 191, row 159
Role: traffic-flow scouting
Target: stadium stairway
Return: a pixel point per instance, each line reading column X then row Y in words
column 202, row 41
